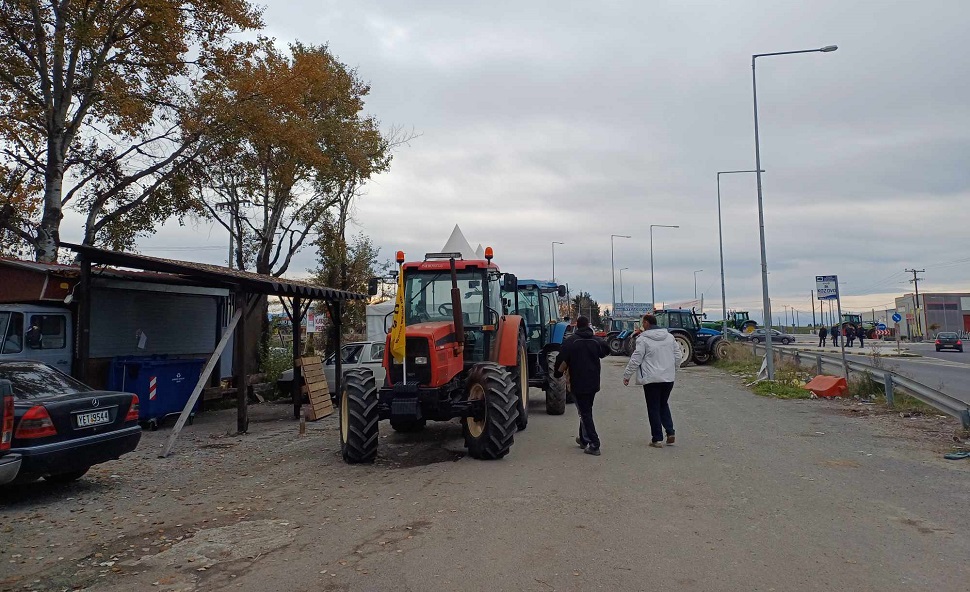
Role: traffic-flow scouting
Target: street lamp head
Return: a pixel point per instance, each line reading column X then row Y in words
column 829, row 48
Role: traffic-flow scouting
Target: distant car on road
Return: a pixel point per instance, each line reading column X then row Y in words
column 948, row 340
column 363, row 354
column 758, row 336
column 63, row 427
column 735, row 335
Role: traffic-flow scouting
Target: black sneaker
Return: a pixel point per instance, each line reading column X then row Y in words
column 580, row 442
column 591, row 450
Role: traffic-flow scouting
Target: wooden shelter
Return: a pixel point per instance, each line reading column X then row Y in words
column 246, row 287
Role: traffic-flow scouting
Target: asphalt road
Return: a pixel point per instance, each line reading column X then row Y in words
column 757, row 494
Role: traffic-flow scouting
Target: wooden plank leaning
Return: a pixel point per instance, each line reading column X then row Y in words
column 203, row 380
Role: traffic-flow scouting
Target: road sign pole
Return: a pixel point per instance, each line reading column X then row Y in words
column 838, row 302
column 897, row 339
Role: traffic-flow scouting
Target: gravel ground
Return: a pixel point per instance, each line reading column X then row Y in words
column 273, row 510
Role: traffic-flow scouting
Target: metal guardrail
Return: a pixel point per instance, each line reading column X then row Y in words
column 889, row 379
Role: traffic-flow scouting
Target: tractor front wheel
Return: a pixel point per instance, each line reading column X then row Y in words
column 686, row 348
column 616, row 346
column 491, row 436
column 702, row 358
column 555, row 387
column 720, row 349
column 358, row 417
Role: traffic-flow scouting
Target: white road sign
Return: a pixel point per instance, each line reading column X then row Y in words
column 827, row 287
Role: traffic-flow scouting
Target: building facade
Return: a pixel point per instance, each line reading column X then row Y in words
column 936, row 312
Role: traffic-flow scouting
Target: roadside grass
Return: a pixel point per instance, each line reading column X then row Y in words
column 739, row 360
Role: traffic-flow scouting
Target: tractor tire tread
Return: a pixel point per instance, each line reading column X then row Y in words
column 359, row 445
column 556, row 391
column 501, row 403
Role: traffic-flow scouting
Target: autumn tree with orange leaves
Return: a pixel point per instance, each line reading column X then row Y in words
column 291, row 144
column 98, row 112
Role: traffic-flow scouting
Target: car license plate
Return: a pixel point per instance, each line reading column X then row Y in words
column 94, row 418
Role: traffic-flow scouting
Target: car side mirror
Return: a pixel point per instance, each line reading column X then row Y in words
column 509, row 282
column 372, row 285
column 562, row 291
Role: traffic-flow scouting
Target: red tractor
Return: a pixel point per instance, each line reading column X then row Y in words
column 464, row 358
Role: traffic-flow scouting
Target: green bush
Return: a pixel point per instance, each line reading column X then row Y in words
column 274, row 361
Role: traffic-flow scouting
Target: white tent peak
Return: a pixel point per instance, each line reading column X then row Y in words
column 479, row 252
column 457, row 243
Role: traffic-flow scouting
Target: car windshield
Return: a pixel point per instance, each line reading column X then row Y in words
column 428, row 296
column 31, row 380
column 947, row 335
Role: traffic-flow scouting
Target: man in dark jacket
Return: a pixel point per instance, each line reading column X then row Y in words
column 822, row 334
column 860, row 332
column 849, row 335
column 835, row 335
column 581, row 354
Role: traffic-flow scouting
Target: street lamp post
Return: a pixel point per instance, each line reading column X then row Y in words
column 720, row 241
column 554, row 243
column 769, row 354
column 612, row 272
column 653, row 293
column 695, row 282
column 621, row 282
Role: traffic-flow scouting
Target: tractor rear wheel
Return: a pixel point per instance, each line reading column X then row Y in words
column 491, row 436
column 555, row 387
column 520, row 374
column 749, row 327
column 686, row 348
column 358, row 417
column 406, row 426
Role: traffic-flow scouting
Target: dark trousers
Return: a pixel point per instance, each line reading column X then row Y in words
column 658, row 411
column 587, row 430
column 862, row 342
column 821, row 341
column 835, row 340
column 848, row 341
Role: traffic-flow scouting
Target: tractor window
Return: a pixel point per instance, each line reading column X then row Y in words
column 428, row 297
column 551, row 306
column 689, row 320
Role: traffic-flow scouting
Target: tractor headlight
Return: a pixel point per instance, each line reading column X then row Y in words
column 421, row 360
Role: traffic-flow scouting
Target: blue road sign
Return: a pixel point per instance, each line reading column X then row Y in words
column 897, row 317
column 881, row 326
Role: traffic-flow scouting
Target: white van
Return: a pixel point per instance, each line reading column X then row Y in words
column 41, row 333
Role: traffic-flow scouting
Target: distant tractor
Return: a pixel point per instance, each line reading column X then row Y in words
column 537, row 303
column 697, row 344
column 620, row 335
column 856, row 321
column 463, row 359
column 737, row 319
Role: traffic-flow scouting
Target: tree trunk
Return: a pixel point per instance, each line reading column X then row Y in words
column 49, row 231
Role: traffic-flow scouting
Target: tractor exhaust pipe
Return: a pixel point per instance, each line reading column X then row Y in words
column 456, row 308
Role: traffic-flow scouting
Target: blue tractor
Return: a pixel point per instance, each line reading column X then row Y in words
column 537, row 302
column 698, row 344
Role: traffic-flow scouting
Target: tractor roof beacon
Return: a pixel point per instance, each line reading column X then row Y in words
column 463, row 359
column 537, row 302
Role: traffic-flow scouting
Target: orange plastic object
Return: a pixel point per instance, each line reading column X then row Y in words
column 827, row 386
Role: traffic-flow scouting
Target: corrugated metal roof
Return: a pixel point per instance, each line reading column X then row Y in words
column 215, row 275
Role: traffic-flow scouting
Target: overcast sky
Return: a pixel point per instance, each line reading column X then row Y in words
column 571, row 121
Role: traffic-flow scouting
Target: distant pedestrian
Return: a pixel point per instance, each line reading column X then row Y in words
column 861, row 334
column 849, row 335
column 822, row 334
column 835, row 335
column 654, row 362
column 581, row 354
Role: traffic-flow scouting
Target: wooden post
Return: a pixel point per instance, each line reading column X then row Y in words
column 239, row 365
column 83, row 322
column 200, row 385
column 296, row 387
column 338, row 367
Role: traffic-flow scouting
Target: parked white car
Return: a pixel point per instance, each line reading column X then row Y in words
column 362, row 354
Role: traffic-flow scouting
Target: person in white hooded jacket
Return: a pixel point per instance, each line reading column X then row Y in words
column 654, row 365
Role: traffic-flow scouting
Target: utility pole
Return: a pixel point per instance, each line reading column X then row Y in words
column 916, row 315
column 813, row 308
